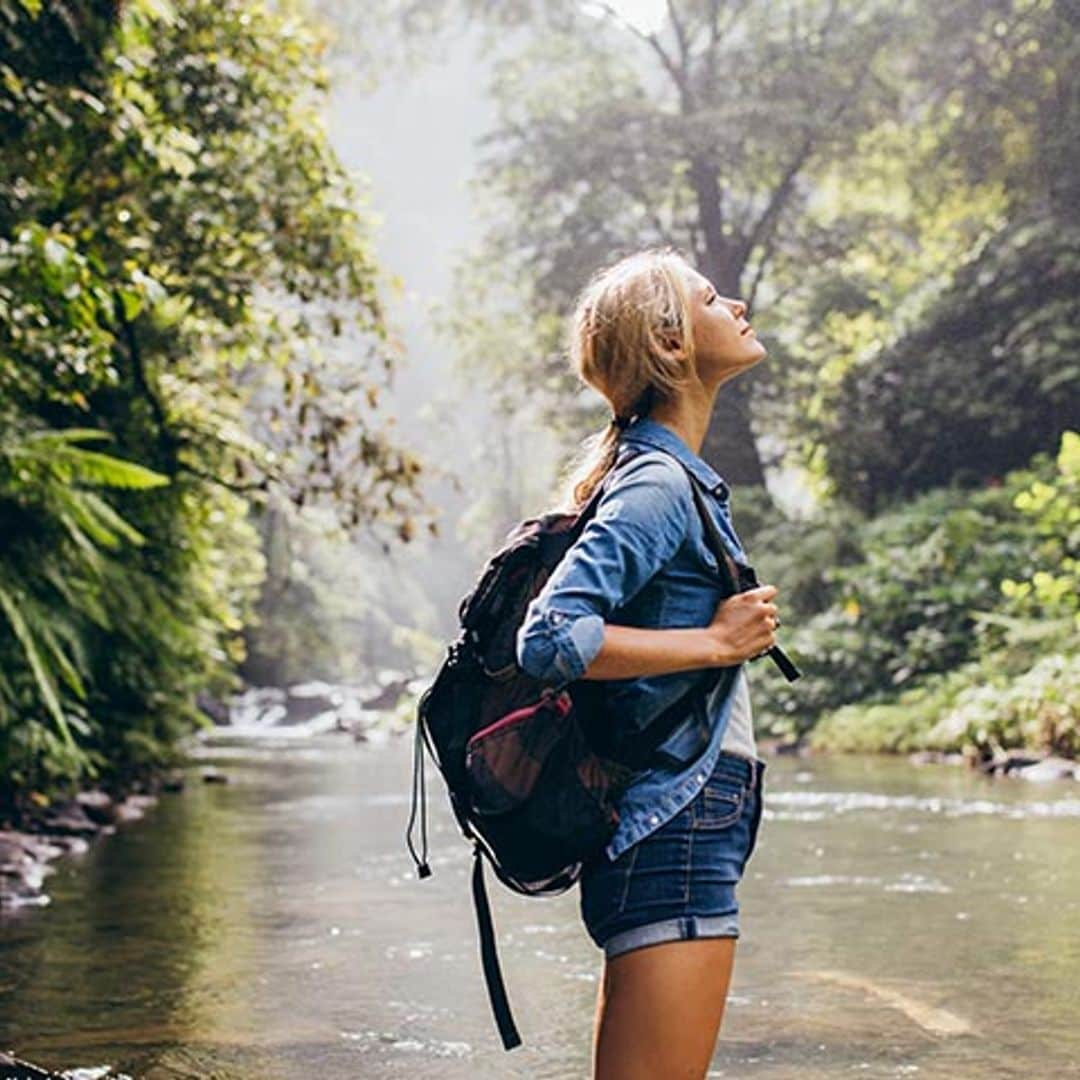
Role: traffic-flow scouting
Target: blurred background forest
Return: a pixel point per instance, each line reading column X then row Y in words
column 283, row 292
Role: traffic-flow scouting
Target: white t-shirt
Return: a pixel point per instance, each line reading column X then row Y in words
column 739, row 733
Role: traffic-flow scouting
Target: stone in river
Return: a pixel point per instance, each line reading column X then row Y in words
column 23, row 859
column 173, row 781
column 217, row 710
column 1051, row 768
column 134, row 807
column 11, row 1068
column 388, row 696
column 99, row 806
column 69, row 819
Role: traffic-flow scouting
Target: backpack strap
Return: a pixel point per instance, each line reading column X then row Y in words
column 496, row 987
column 639, row 751
column 742, row 576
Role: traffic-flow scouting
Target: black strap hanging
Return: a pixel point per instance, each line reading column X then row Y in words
column 489, row 956
column 419, row 802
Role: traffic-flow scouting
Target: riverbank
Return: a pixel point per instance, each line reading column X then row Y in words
column 1022, row 764
column 1018, row 763
column 274, row 926
column 32, row 838
column 36, row 830
column 13, row 1068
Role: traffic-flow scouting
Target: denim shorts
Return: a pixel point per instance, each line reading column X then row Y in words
column 678, row 883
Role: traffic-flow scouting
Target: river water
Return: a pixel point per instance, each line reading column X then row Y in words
column 898, row 921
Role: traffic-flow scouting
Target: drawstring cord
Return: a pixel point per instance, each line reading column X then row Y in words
column 419, row 785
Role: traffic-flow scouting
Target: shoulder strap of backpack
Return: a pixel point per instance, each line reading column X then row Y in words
column 639, row 751
column 741, row 576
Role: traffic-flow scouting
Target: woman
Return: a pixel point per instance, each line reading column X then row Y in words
column 637, row 601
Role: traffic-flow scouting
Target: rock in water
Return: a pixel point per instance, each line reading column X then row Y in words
column 69, row 819
column 1051, row 768
column 98, row 805
column 11, row 1068
column 218, row 711
column 173, row 782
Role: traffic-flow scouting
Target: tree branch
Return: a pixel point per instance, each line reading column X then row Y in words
column 766, row 255
column 677, row 76
column 780, row 194
column 166, row 439
column 239, row 489
column 680, row 35
column 778, row 199
column 716, row 35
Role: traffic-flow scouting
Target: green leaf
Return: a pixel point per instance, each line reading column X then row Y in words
column 132, row 303
column 90, row 467
column 41, row 675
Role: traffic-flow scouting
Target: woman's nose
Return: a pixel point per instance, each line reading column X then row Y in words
column 739, row 308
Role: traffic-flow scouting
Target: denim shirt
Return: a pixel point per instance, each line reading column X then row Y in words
column 641, row 560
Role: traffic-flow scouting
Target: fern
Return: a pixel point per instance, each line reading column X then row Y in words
column 42, row 677
column 52, row 583
column 71, row 464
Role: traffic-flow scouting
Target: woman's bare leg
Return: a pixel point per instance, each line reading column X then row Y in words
column 659, row 1010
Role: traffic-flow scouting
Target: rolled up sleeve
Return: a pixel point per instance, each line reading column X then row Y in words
column 639, row 524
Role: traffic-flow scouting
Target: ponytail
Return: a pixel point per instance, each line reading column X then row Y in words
column 596, row 455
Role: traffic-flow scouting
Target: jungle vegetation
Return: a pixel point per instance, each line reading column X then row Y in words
column 193, row 338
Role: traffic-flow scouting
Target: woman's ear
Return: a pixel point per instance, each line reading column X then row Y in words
column 672, row 343
column 670, row 337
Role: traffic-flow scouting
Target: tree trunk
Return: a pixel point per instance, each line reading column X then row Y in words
column 729, row 445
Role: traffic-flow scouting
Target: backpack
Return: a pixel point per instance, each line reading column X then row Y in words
column 532, row 770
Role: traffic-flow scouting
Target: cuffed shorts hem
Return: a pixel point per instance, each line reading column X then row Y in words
column 678, row 882
column 685, row 928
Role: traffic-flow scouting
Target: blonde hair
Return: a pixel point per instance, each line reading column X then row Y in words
column 630, row 338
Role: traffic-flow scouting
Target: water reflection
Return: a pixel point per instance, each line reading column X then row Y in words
column 897, row 921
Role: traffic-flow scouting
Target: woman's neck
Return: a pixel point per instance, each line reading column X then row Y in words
column 687, row 415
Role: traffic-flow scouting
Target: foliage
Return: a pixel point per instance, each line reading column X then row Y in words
column 923, row 597
column 943, row 347
column 1039, row 710
column 183, row 273
column 991, row 377
column 105, row 641
column 994, row 703
column 1053, row 512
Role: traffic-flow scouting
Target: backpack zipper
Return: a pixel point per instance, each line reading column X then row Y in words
column 562, row 702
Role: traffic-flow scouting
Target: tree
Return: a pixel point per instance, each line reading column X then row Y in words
column 956, row 361
column 705, row 136
column 184, row 275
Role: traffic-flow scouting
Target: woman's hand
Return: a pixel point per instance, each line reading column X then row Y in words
column 744, row 625
column 742, row 628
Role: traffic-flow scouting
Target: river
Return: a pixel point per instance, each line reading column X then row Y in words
column 898, row 921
